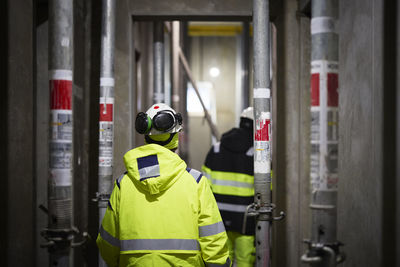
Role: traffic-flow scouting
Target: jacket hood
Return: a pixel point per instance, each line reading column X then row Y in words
column 237, row 140
column 153, row 168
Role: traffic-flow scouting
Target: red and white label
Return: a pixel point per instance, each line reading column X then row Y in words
column 262, row 130
column 106, row 112
column 106, row 108
column 315, row 89
column 60, row 85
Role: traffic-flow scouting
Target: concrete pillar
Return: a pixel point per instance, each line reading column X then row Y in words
column 18, row 130
column 361, row 166
column 397, row 252
column 291, row 134
column 125, row 114
column 42, row 135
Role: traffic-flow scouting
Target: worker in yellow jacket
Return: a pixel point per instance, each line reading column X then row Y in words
column 160, row 212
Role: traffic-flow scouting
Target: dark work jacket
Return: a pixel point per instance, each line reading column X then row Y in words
column 234, row 154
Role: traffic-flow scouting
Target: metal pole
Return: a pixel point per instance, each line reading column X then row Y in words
column 106, row 119
column 323, row 246
column 175, row 30
column 59, row 233
column 262, row 142
column 245, row 65
column 158, row 66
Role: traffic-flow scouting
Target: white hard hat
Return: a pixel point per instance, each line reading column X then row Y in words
column 248, row 113
column 158, row 119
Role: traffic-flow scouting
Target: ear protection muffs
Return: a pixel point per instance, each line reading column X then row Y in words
column 166, row 120
column 143, row 123
column 163, row 121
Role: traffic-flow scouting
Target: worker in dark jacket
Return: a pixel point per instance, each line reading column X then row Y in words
column 229, row 169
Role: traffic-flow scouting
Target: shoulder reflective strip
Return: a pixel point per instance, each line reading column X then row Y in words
column 196, row 174
column 211, row 229
column 231, row 183
column 216, row 147
column 160, row 244
column 108, row 237
column 119, row 179
column 250, row 152
column 226, row 264
column 231, row 207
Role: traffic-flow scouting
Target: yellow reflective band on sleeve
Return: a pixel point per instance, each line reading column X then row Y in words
column 211, row 229
column 108, row 237
column 159, row 244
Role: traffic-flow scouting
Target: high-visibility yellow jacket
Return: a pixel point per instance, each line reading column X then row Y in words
column 161, row 213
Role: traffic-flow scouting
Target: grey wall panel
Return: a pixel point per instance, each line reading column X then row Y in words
column 42, row 134
column 123, row 117
column 20, row 176
column 361, row 122
column 291, row 135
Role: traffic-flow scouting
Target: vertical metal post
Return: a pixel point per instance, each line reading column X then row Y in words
column 323, row 246
column 245, row 65
column 175, row 32
column 59, row 232
column 158, row 64
column 106, row 119
column 262, row 131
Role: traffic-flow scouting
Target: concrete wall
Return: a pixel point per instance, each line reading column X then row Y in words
column 42, row 133
column 18, row 233
column 124, row 99
column 367, row 159
column 361, row 136
column 291, row 135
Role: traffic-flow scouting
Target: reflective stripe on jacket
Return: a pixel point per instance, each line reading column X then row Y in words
column 162, row 213
column 229, row 169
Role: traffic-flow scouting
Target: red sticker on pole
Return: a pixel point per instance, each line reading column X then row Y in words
column 106, row 112
column 61, row 94
column 315, row 89
column 333, row 96
column 262, row 130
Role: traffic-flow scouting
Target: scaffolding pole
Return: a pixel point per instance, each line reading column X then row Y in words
column 262, row 207
column 158, row 66
column 106, row 117
column 323, row 248
column 60, row 233
column 175, row 73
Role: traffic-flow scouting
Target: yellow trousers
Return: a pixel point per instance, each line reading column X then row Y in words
column 241, row 249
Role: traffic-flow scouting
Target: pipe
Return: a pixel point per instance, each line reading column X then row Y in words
column 245, row 65
column 158, row 64
column 175, row 30
column 262, row 116
column 60, row 197
column 324, row 125
column 106, row 101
